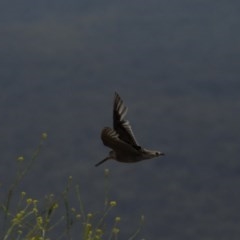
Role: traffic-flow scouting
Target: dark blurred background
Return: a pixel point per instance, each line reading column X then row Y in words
column 176, row 64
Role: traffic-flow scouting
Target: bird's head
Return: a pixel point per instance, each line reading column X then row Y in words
column 148, row 154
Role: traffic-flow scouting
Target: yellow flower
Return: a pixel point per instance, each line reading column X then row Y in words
column 106, row 172
column 39, row 220
column 113, row 203
column 99, row 232
column 29, row 200
column 51, row 196
column 20, row 159
column 44, row 136
column 89, row 215
column 18, row 218
column 115, row 230
column 88, row 226
column 55, row 205
column 23, row 194
column 35, row 210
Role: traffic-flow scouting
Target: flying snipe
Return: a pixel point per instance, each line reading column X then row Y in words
column 121, row 138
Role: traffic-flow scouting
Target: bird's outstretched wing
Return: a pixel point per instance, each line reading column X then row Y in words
column 111, row 139
column 121, row 126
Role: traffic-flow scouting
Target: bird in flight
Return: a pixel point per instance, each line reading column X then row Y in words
column 121, row 138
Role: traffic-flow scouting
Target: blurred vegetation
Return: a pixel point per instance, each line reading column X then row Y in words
column 23, row 217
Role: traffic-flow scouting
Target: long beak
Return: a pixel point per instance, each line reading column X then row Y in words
column 104, row 160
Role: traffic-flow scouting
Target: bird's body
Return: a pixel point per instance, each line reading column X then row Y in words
column 121, row 138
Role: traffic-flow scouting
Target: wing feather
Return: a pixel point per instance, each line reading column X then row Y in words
column 121, row 126
column 111, row 139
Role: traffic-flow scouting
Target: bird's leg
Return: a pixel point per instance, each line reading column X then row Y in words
column 99, row 163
